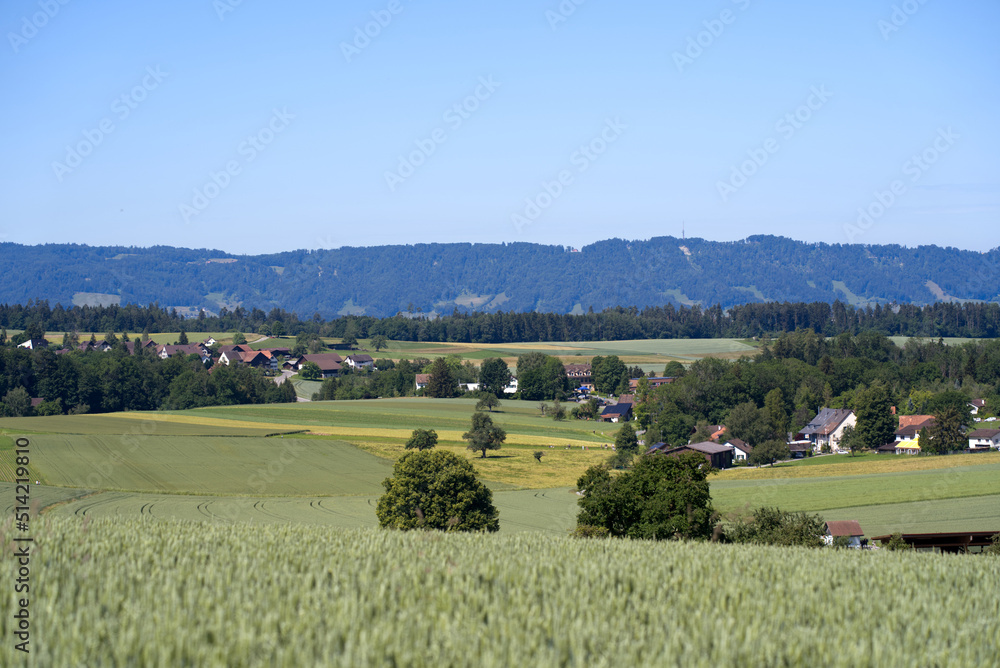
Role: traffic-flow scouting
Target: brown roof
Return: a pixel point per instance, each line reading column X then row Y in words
column 423, row 378
column 913, row 420
column 978, row 403
column 578, row 370
column 984, row 433
column 844, row 528
column 325, row 361
column 740, row 445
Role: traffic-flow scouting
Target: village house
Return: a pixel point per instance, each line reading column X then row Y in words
column 741, row 451
column 34, row 344
column 827, row 428
column 976, row 405
column 360, row 361
column 718, row 456
column 620, row 412
column 849, row 529
column 579, row 375
column 423, row 380
column 910, row 426
column 983, row 439
column 329, row 363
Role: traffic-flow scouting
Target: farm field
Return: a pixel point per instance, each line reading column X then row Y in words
column 293, row 595
column 132, row 423
column 651, row 354
column 208, row 465
column 550, row 511
column 839, row 465
column 829, row 492
column 333, row 475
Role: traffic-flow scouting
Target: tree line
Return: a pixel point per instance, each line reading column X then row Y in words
column 761, row 320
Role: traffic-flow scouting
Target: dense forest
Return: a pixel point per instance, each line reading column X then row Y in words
column 439, row 278
column 974, row 320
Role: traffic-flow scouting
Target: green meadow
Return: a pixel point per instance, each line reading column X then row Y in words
column 215, row 464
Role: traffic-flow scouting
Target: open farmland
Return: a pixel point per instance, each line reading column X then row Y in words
column 550, row 511
column 287, row 595
column 824, row 493
column 208, row 465
column 651, row 354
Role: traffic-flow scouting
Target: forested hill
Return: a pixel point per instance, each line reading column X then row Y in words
column 384, row 280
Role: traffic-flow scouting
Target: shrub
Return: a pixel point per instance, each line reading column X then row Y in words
column 772, row 526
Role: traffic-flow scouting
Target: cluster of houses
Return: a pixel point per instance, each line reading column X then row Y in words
column 824, row 433
column 271, row 360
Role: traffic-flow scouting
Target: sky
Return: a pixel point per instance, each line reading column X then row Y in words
column 254, row 127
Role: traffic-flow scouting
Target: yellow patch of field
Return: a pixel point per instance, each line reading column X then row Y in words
column 559, row 467
column 346, row 432
column 866, row 467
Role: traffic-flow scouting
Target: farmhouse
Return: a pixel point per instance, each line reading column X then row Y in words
column 579, row 375
column 620, row 412
column 740, row 449
column 718, row 456
column 423, row 380
column 328, row 363
column 360, row 361
column 983, row 439
column 827, row 428
column 849, row 529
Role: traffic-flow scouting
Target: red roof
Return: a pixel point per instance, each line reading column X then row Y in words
column 844, row 528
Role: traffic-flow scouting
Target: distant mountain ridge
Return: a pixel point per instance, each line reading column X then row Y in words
column 384, row 280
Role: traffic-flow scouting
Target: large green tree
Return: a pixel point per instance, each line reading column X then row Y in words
column 876, row 424
column 946, row 434
column 748, row 423
column 540, row 377
column 494, row 376
column 436, row 489
column 484, row 435
column 442, row 383
column 774, row 409
column 626, row 440
column 660, row 498
column 609, row 373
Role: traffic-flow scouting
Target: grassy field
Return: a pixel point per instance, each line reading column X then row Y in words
column 828, row 492
column 840, row 465
column 208, row 465
column 351, row 445
column 132, row 424
column 133, row 592
column 550, row 511
column 651, row 354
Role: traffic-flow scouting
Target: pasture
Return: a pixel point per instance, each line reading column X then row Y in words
column 122, row 591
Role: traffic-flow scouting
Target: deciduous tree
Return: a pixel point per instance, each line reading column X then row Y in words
column 436, row 489
column 876, row 424
column 494, row 376
column 484, row 435
column 660, row 498
column 422, row 439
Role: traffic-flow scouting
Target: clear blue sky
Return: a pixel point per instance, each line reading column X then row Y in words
column 184, row 85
